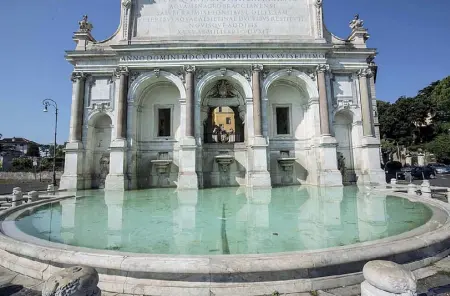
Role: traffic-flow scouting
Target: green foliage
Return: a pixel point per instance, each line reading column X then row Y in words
column 440, row 147
column 415, row 121
column 22, row 165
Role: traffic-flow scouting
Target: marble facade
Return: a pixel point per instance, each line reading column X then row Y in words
column 142, row 99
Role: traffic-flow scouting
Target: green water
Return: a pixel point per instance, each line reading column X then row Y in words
column 224, row 220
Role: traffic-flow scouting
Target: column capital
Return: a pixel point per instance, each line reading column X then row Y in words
column 366, row 72
column 76, row 76
column 322, row 68
column 119, row 71
column 189, row 68
column 257, row 67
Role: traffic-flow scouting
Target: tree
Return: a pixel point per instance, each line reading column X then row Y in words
column 440, row 97
column 440, row 147
column 33, row 150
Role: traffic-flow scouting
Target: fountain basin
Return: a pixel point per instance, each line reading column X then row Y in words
column 224, row 161
column 237, row 274
column 161, row 165
column 286, row 163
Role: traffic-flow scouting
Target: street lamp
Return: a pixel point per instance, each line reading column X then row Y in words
column 46, row 103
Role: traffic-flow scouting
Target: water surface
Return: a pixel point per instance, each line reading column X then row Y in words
column 224, row 220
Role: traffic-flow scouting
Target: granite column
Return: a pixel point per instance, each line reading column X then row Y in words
column 187, row 175
column 364, row 74
column 76, row 116
column 72, row 177
column 323, row 101
column 256, row 88
column 329, row 175
column 257, row 176
column 117, row 177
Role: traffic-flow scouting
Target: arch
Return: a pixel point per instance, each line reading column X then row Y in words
column 93, row 117
column 218, row 74
column 209, row 79
column 306, row 83
column 146, row 79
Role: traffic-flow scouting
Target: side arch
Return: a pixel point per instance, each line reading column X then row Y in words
column 144, row 80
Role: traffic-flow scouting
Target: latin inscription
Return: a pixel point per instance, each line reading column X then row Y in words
column 224, row 56
column 216, row 18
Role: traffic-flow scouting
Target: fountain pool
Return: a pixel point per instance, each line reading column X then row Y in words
column 224, row 241
column 223, row 221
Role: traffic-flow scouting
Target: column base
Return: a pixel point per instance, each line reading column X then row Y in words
column 328, row 173
column 187, row 176
column 72, row 177
column 72, row 182
column 371, row 172
column 259, row 180
column 330, row 178
column 258, row 176
column 116, row 182
column 187, row 180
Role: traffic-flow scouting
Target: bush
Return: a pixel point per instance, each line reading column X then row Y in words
column 22, row 165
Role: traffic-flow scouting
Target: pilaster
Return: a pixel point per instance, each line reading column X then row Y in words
column 187, row 176
column 117, row 179
column 257, row 174
column 73, row 162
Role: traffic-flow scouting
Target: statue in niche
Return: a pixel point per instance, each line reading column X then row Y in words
column 104, row 170
column 223, row 89
column 341, row 165
column 356, row 23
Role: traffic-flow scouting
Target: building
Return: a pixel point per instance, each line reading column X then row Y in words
column 16, row 146
column 143, row 100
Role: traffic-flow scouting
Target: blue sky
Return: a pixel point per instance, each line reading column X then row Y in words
column 410, row 35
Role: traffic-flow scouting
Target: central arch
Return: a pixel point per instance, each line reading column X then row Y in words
column 205, row 84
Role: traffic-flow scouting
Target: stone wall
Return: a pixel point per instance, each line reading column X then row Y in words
column 28, row 176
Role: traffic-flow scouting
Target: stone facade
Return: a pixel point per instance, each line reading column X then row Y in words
column 143, row 100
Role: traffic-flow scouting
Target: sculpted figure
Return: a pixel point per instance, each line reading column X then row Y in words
column 85, row 26
column 356, row 23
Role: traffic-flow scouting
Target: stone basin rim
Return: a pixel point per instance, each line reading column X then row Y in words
column 435, row 231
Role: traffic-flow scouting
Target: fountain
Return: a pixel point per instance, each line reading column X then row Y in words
column 162, row 167
column 224, row 160
column 287, row 165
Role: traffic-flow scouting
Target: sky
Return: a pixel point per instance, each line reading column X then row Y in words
column 411, row 37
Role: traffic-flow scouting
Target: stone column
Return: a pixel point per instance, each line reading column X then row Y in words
column 323, row 101
column 73, row 168
column 366, row 109
column 190, row 93
column 117, row 179
column 256, row 87
column 121, row 121
column 257, row 174
column 187, row 176
column 76, row 115
column 370, row 145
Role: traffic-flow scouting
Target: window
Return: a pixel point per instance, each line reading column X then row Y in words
column 282, row 120
column 228, row 120
column 164, row 122
column 220, row 109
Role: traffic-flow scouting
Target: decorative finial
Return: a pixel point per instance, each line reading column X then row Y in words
column 356, row 23
column 85, row 26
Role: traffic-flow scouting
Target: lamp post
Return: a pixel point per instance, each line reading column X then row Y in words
column 46, row 103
